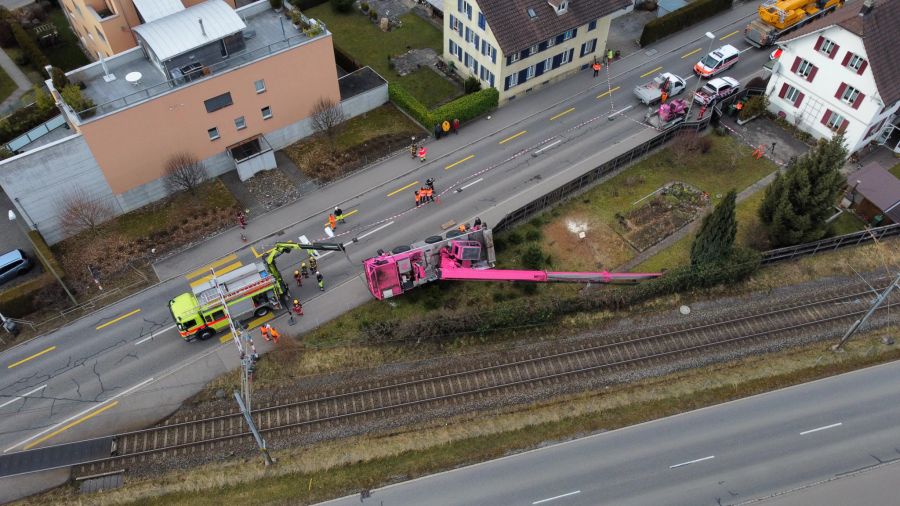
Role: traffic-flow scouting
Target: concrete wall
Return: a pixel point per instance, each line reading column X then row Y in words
column 37, row 180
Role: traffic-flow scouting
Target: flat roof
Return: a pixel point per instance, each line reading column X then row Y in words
column 190, row 28
column 151, row 10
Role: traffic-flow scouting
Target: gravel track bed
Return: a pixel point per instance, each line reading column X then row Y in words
column 405, row 418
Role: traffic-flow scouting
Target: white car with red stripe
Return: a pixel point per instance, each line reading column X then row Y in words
column 717, row 61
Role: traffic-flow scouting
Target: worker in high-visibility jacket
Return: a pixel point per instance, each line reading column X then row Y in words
column 320, row 279
column 422, row 152
column 298, row 277
column 271, row 333
column 332, row 221
column 313, row 264
column 297, row 307
column 596, row 66
column 304, row 270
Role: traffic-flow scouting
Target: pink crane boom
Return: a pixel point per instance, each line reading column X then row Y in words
column 463, row 256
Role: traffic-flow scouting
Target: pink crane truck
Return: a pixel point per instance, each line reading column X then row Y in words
column 463, row 256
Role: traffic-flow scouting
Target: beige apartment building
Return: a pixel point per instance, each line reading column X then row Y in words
column 104, row 27
column 519, row 46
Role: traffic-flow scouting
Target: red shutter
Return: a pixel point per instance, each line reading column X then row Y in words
column 847, row 58
column 859, row 99
column 796, row 64
column 819, row 42
column 834, row 51
column 799, row 99
column 840, row 91
column 826, row 116
column 812, row 74
column 843, row 128
column 783, row 92
column 862, row 67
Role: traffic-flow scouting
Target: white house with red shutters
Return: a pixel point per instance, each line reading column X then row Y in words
column 841, row 73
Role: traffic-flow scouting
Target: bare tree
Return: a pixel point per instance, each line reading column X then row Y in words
column 327, row 116
column 78, row 211
column 184, row 172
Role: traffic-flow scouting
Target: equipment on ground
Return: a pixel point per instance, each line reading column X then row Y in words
column 777, row 17
column 668, row 114
column 462, row 256
column 651, row 93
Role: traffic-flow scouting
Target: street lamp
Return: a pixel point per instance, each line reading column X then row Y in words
column 12, row 217
column 712, row 37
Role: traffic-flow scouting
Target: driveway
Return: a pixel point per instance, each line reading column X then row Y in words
column 11, row 237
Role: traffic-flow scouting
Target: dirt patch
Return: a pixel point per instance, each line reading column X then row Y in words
column 601, row 248
column 673, row 207
column 316, row 161
column 271, row 188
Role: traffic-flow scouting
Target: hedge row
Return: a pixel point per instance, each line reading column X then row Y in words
column 307, row 4
column 29, row 47
column 19, row 300
column 512, row 314
column 677, row 20
column 23, row 120
column 464, row 108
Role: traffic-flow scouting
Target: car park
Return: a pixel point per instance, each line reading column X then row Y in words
column 717, row 61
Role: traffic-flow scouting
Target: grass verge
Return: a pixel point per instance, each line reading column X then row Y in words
column 360, row 39
column 341, row 467
column 7, row 85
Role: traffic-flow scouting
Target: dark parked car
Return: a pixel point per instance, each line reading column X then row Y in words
column 13, row 264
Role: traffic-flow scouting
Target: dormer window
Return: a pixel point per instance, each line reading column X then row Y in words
column 559, row 6
column 531, row 13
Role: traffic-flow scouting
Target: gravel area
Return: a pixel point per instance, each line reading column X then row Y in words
column 272, row 189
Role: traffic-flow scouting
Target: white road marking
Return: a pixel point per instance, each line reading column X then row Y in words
column 152, row 335
column 370, row 232
column 821, row 428
column 556, row 497
column 18, row 397
column 473, row 182
column 620, row 111
column 79, row 415
column 548, row 146
column 692, row 462
column 746, row 49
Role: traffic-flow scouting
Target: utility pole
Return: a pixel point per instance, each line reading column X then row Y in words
column 858, row 323
column 247, row 352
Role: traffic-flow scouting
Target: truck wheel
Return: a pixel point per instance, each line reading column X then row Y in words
column 400, row 249
column 433, row 239
column 261, row 311
column 205, row 334
column 453, row 233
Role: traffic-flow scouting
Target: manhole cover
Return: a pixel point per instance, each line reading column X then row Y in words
column 685, row 310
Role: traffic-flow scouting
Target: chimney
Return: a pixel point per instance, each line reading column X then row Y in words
column 203, row 30
column 867, row 7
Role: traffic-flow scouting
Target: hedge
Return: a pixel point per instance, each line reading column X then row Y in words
column 36, row 57
column 464, row 108
column 23, row 120
column 306, row 4
column 677, row 20
column 18, row 301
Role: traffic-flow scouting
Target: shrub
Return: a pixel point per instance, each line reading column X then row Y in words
column 7, row 39
column 43, row 101
column 533, row 258
column 78, row 211
column 23, row 120
column 469, row 106
column 29, row 47
column 677, row 20
column 364, row 6
column 403, row 99
column 184, row 172
column 296, row 18
column 18, row 301
column 472, row 84
column 373, row 15
column 342, row 5
column 754, row 106
column 72, row 96
column 59, row 78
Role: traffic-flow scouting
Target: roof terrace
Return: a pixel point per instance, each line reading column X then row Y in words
column 266, row 33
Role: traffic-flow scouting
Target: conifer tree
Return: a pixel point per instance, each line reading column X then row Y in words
column 715, row 240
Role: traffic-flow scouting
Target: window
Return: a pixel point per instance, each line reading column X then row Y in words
column 266, row 112
column 468, row 11
column 855, row 62
column 459, row 5
column 804, row 69
column 827, row 46
column 564, row 58
column 475, row 40
column 551, row 42
column 533, row 50
column 260, row 85
column 514, row 57
column 484, row 47
column 588, row 47
column 513, row 79
column 493, row 53
column 453, row 23
column 452, row 47
column 791, row 94
column 592, row 25
column 529, row 74
column 239, row 123
column 850, row 93
column 569, row 34
column 562, row 6
column 548, row 64
column 481, row 21
column 833, row 120
column 459, row 52
column 213, row 133
column 100, row 34
column 219, row 102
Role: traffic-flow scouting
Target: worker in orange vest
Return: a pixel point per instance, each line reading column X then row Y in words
column 332, row 221
column 596, row 66
column 273, row 333
column 418, row 198
column 264, row 331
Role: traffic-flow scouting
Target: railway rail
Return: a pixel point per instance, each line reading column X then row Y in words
column 618, row 352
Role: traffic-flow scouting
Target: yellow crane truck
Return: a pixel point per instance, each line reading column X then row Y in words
column 777, row 17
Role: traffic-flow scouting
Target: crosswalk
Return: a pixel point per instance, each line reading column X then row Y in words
column 221, row 266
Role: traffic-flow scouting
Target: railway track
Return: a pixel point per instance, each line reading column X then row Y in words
column 617, row 353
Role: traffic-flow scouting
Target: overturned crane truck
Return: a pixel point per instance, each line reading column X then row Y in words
column 777, row 17
column 668, row 114
column 463, row 256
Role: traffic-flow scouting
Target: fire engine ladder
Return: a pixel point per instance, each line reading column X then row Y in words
column 210, row 296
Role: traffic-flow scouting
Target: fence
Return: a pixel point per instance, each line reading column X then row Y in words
column 830, row 244
column 36, row 133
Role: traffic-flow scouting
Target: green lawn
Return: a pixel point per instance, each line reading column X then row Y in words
column 895, row 170
column 386, row 119
column 66, row 55
column 359, row 38
column 7, row 85
column 846, row 223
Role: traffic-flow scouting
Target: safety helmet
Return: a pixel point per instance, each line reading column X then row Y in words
column 296, row 272
column 303, row 264
column 296, row 301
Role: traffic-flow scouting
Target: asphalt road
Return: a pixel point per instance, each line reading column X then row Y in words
column 125, row 366
column 726, row 454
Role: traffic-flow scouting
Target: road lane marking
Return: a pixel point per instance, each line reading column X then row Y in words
column 645, row 74
column 692, row 462
column 742, row 51
column 454, row 164
column 729, row 35
column 692, row 52
column 69, row 426
column 605, row 93
column 548, row 146
column 114, row 320
column 152, row 335
column 351, row 213
column 223, row 270
column 567, row 111
column 258, row 254
column 473, row 182
column 23, row 396
column 523, row 132
column 620, row 111
column 821, row 428
column 80, row 414
column 410, row 185
column 36, row 355
column 203, row 270
column 251, row 325
column 542, row 501
column 370, row 232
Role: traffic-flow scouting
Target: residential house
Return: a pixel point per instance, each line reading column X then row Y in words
column 105, row 27
column 840, row 74
column 874, row 193
column 227, row 86
column 518, row 46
